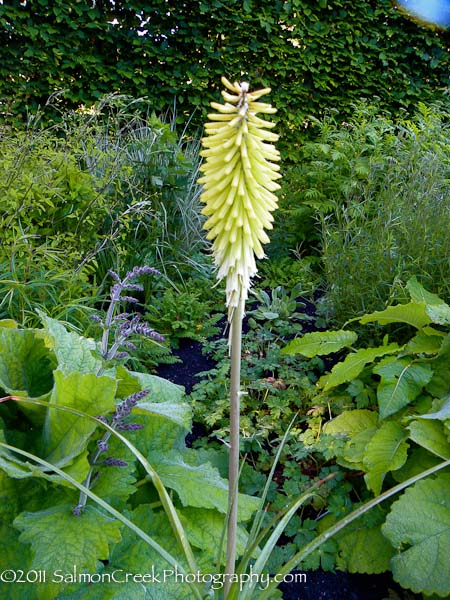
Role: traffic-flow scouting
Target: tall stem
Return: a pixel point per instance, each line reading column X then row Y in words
column 233, row 471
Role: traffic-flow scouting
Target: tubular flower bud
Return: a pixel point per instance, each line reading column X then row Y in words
column 238, row 182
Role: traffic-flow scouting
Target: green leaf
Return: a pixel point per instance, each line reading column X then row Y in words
column 419, row 294
column 363, row 550
column 353, row 364
column 422, row 343
column 320, row 343
column 161, row 390
column 430, row 435
column 439, row 314
column 25, row 369
column 414, row 314
column 386, row 451
column 73, row 352
column 199, row 485
column 419, row 460
column 179, row 413
column 418, row 526
column 66, row 435
column 61, row 542
column 401, row 382
column 443, row 414
column 352, row 421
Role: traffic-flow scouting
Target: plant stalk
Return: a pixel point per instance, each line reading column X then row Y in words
column 233, row 470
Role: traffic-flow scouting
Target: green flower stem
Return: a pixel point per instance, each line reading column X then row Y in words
column 233, row 471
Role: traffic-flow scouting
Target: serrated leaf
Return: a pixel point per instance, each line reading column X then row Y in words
column 161, row 390
column 319, row 343
column 66, row 435
column 179, row 413
column 402, row 380
column 73, row 352
column 418, row 526
column 199, row 485
column 61, row 542
column 204, row 529
column 419, row 294
column 364, row 550
column 430, row 435
column 353, row 364
column 386, row 451
column 413, row 313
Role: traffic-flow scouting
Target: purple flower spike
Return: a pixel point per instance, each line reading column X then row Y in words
column 114, row 462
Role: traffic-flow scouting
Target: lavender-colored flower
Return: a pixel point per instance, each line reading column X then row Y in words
column 114, row 275
column 96, row 318
column 114, row 462
column 129, row 427
column 103, row 446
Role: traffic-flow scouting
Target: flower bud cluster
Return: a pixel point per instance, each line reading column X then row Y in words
column 239, row 176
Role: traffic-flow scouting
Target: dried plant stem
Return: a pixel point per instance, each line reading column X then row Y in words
column 233, row 472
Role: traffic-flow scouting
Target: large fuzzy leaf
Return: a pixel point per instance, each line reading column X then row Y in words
column 418, row 526
column 73, row 352
column 319, row 343
column 199, row 485
column 386, row 451
column 413, row 313
column 353, row 364
column 358, row 426
column 402, row 380
column 61, row 542
column 66, row 435
column 25, row 369
column 363, row 549
column 430, row 435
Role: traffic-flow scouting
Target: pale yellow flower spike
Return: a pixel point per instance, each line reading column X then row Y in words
column 238, row 181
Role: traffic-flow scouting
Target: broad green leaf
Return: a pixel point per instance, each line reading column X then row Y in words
column 413, row 313
column 178, row 412
column 418, row 526
column 419, row 294
column 358, row 425
column 66, row 435
column 204, row 528
column 61, row 542
column 441, row 415
column 352, row 421
column 73, row 352
column 402, row 380
column 199, row 485
column 423, row 343
column 439, row 384
column 161, row 390
column 353, row 452
column 25, row 369
column 386, row 451
column 135, row 556
column 318, row 343
column 430, row 435
column 9, row 323
column 353, row 364
column 419, row 460
column 363, row 550
column 439, row 314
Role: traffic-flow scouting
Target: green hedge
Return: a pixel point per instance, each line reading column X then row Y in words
column 314, row 55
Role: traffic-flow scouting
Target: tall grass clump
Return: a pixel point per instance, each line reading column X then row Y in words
column 389, row 217
column 101, row 188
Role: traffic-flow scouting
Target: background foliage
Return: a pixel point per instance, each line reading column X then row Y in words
column 314, row 55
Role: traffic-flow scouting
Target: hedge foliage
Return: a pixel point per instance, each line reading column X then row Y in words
column 314, row 55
